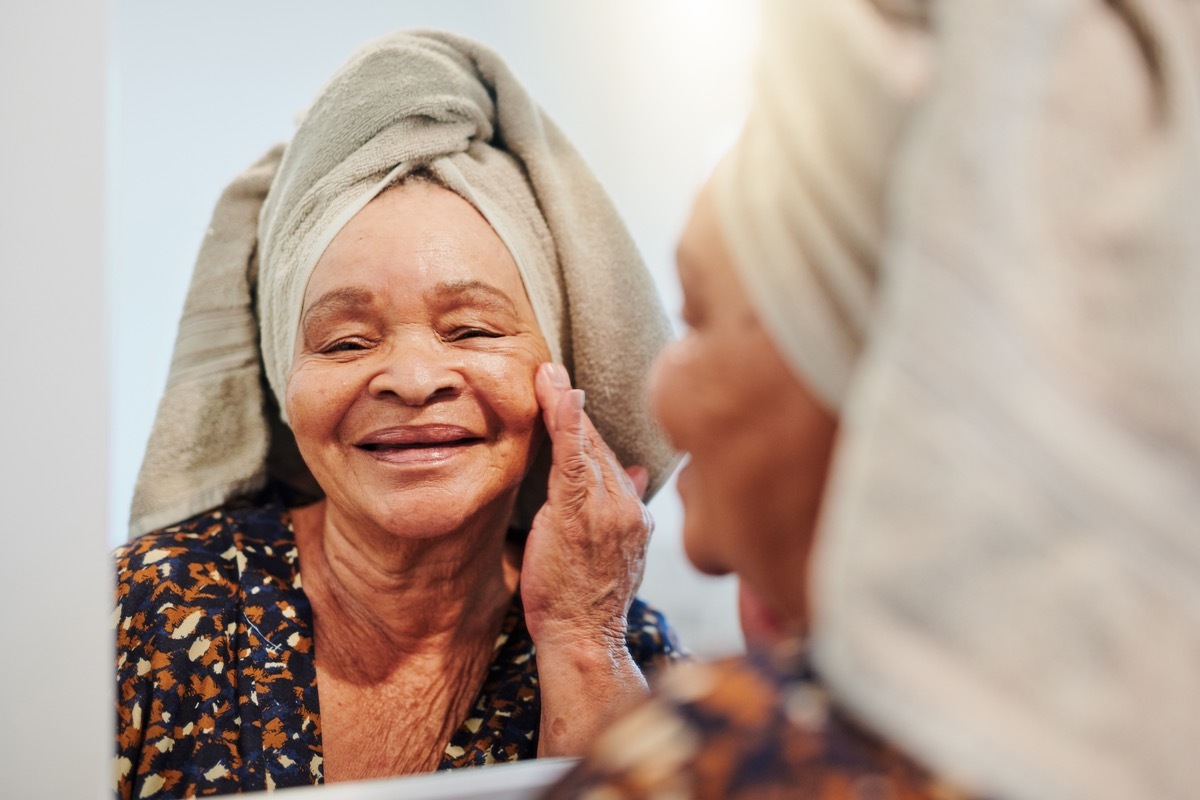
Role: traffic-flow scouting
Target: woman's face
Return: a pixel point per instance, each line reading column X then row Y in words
column 759, row 443
column 411, row 389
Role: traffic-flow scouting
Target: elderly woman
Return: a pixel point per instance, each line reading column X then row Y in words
column 957, row 239
column 347, row 576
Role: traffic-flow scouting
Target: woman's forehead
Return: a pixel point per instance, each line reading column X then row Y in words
column 428, row 239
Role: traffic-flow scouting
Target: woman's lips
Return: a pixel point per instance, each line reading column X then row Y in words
column 417, row 444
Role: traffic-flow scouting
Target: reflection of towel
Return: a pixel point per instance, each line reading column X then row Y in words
column 407, row 100
column 1007, row 577
column 803, row 186
column 209, row 441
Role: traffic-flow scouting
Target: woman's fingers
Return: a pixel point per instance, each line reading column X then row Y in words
column 550, row 384
column 570, row 437
column 562, row 410
column 574, row 440
column 585, row 552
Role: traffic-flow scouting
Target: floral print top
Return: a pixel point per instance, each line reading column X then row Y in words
column 216, row 678
column 746, row 728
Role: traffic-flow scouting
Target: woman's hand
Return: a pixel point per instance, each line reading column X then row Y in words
column 586, row 550
column 583, row 563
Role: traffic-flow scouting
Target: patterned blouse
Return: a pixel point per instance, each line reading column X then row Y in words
column 216, row 680
column 746, row 728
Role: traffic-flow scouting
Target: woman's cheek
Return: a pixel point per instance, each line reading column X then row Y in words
column 314, row 399
column 509, row 381
column 670, row 383
column 294, row 397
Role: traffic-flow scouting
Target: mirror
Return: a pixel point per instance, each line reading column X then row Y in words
column 649, row 91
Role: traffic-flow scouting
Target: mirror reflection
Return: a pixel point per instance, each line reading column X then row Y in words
column 403, row 442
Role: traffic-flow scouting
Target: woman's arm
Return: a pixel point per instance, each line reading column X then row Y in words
column 583, row 563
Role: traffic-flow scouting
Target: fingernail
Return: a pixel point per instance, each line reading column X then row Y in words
column 577, row 399
column 559, row 376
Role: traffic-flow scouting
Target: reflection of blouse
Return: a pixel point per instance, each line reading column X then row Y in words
column 217, row 685
column 753, row 727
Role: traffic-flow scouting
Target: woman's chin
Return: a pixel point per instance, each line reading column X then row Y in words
column 422, row 509
column 424, row 522
column 429, row 515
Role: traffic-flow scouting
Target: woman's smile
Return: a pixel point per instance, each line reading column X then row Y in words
column 419, row 445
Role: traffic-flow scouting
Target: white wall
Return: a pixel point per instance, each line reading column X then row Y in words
column 55, row 596
column 651, row 91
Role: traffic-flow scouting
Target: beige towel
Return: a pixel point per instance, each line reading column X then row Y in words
column 804, row 184
column 1007, row 576
column 403, row 101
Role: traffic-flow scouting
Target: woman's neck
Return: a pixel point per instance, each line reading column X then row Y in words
column 383, row 603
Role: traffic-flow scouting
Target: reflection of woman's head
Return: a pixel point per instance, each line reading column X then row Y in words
column 439, row 106
column 411, row 386
column 370, row 322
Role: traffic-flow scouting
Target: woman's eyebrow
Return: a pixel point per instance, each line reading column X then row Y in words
column 474, row 292
column 336, row 302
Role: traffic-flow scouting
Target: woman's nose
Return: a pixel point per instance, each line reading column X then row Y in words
column 417, row 371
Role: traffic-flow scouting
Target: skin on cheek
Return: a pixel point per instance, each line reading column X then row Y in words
column 508, row 380
column 669, row 383
column 289, row 397
column 687, row 394
column 302, row 394
column 712, row 393
column 511, row 389
column 524, row 359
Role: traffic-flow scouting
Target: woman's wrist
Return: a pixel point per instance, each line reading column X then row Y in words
column 585, row 681
column 584, row 641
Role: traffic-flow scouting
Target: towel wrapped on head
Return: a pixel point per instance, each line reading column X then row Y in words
column 421, row 100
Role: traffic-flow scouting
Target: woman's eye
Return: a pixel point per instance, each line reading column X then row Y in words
column 345, row 346
column 459, row 334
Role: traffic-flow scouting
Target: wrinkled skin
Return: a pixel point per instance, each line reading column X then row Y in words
column 422, row 329
column 419, row 395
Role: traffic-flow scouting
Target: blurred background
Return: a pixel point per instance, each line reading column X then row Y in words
column 650, row 91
